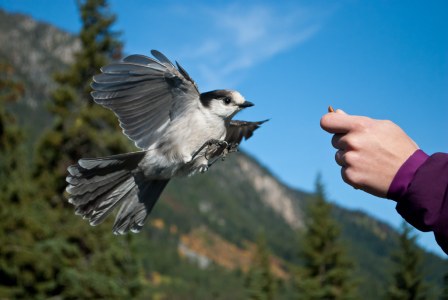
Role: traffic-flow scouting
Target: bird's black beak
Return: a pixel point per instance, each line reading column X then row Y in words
column 246, row 104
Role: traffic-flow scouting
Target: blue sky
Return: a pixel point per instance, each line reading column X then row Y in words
column 384, row 59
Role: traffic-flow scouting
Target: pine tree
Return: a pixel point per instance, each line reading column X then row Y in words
column 81, row 261
column 10, row 134
column 260, row 282
column 22, row 226
column 444, row 295
column 14, row 188
column 407, row 278
column 80, row 128
column 326, row 273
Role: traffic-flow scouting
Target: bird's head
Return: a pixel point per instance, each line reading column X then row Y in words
column 224, row 103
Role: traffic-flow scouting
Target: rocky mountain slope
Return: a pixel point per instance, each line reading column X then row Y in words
column 211, row 219
column 36, row 50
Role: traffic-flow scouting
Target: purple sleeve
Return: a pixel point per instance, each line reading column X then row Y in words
column 420, row 188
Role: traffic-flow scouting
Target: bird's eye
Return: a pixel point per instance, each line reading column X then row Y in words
column 227, row 100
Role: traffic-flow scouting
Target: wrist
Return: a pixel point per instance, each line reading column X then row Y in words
column 405, row 174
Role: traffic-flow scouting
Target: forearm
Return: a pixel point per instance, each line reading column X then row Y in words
column 422, row 199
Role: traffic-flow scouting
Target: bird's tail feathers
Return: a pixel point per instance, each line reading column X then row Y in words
column 138, row 205
column 98, row 185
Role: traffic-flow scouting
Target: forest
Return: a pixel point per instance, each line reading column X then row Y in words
column 219, row 242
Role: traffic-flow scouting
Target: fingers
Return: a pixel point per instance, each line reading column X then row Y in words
column 339, row 141
column 337, row 122
column 340, row 158
column 341, row 122
column 345, row 174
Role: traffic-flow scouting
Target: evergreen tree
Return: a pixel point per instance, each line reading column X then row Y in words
column 444, row 295
column 80, row 261
column 80, row 128
column 10, row 134
column 326, row 273
column 260, row 282
column 407, row 278
column 22, row 263
column 13, row 191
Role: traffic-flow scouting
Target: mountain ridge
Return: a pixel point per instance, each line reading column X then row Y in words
column 36, row 58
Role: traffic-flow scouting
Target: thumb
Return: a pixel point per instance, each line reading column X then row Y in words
column 340, row 111
column 337, row 122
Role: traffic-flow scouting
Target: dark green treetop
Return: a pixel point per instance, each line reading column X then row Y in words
column 407, row 278
column 260, row 282
column 81, row 261
column 326, row 273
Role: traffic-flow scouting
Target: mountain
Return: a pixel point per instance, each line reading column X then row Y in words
column 36, row 50
column 200, row 237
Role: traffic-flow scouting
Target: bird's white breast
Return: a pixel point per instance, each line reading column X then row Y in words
column 190, row 133
column 183, row 137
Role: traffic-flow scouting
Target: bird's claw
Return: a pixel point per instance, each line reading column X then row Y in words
column 233, row 147
column 203, row 168
column 223, row 146
column 219, row 143
column 230, row 148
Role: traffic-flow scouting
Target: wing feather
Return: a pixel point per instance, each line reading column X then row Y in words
column 141, row 60
column 123, row 90
column 162, row 58
column 239, row 130
column 145, row 94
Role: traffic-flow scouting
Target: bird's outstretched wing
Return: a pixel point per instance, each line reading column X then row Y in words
column 145, row 93
column 237, row 130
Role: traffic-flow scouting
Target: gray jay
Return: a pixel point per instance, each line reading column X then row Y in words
column 179, row 130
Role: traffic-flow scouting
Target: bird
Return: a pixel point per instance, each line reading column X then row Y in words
column 178, row 131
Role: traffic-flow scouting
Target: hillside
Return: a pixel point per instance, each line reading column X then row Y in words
column 36, row 50
column 201, row 234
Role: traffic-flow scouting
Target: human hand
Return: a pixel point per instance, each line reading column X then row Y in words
column 370, row 151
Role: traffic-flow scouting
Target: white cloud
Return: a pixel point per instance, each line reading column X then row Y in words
column 240, row 36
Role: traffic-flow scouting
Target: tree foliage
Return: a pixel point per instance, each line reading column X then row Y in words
column 407, row 277
column 444, row 295
column 54, row 252
column 80, row 129
column 326, row 273
column 260, row 282
column 12, row 191
column 11, row 136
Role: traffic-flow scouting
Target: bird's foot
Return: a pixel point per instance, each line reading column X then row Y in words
column 219, row 143
column 233, row 147
column 203, row 168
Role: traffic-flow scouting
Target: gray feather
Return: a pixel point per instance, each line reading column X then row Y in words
column 97, row 185
column 120, row 78
column 87, row 202
column 138, row 59
column 162, row 58
column 239, row 130
column 104, row 208
column 82, row 185
column 143, row 88
column 139, row 204
column 151, row 104
column 143, row 92
column 141, row 60
column 131, row 69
